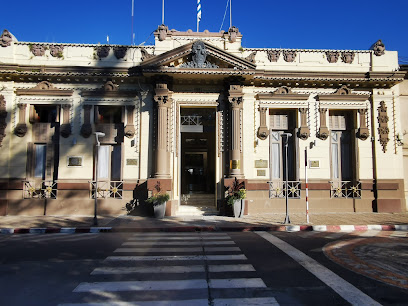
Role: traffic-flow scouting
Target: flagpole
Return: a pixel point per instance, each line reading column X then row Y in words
column 133, row 34
column 163, row 12
column 198, row 14
column 230, row 13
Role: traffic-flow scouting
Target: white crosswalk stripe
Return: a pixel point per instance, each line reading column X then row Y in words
column 180, row 266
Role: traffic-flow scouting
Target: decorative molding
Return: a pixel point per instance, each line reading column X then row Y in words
column 130, row 128
column 21, row 128
column 251, row 57
column 6, row 38
column 289, row 56
column 120, row 51
column 57, row 51
column 3, row 117
column 273, row 55
column 363, row 132
column 323, row 130
column 347, row 57
column 383, row 129
column 378, row 48
column 86, row 129
column 37, row 49
column 44, row 88
column 235, row 96
column 332, row 56
column 145, row 54
column 343, row 94
column 304, row 131
column 66, row 125
column 263, row 129
column 102, row 51
column 283, row 93
column 199, row 55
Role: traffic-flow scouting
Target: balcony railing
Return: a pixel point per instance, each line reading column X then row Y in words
column 39, row 189
column 107, row 189
column 277, row 189
column 191, row 120
column 345, row 189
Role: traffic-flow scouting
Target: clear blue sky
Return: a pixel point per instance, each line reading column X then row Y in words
column 346, row 24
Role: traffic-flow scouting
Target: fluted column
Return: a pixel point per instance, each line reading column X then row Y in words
column 164, row 101
column 236, row 102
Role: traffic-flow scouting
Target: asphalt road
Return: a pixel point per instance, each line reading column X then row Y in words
column 189, row 269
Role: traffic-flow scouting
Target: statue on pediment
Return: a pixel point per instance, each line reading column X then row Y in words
column 233, row 33
column 379, row 48
column 199, row 55
column 6, row 38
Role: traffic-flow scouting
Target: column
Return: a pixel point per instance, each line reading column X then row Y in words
column 236, row 102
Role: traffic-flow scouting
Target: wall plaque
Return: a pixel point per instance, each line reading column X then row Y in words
column 261, row 172
column 314, row 163
column 260, row 163
column 74, row 161
column 131, row 162
column 234, row 164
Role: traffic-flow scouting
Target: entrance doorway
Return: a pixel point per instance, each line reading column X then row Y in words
column 198, row 158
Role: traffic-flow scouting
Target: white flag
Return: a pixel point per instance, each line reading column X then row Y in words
column 198, row 10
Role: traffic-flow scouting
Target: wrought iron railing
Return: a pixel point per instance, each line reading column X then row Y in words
column 107, row 189
column 191, row 120
column 277, row 189
column 39, row 189
column 345, row 189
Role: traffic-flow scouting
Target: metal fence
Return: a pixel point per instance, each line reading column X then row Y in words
column 107, row 189
column 345, row 189
column 277, row 189
column 39, row 189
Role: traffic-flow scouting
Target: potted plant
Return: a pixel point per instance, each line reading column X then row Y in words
column 159, row 200
column 236, row 195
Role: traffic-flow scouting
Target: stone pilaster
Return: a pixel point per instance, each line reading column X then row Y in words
column 164, row 101
column 66, row 125
column 130, row 127
column 21, row 128
column 323, row 130
column 363, row 132
column 86, row 129
column 304, row 131
column 235, row 99
column 263, row 129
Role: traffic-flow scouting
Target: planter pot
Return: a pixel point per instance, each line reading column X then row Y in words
column 159, row 210
column 239, row 207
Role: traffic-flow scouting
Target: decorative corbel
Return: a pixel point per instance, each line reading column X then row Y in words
column 66, row 125
column 263, row 129
column 323, row 130
column 304, row 131
column 383, row 130
column 130, row 128
column 86, row 129
column 363, row 132
column 21, row 128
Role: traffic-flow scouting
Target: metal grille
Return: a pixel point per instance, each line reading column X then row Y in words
column 39, row 190
column 191, row 120
column 107, row 189
column 277, row 189
column 345, row 189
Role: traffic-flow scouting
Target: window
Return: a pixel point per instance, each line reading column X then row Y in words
column 40, row 161
column 110, row 162
column 43, row 114
column 109, row 114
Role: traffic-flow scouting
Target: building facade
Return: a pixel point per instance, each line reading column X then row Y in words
column 190, row 114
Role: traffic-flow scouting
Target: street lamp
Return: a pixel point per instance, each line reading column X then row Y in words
column 286, row 135
column 98, row 144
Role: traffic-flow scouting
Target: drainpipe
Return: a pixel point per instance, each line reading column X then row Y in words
column 374, row 154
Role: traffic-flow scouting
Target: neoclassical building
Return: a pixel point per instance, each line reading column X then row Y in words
column 190, row 114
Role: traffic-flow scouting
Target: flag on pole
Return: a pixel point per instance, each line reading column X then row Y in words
column 198, row 10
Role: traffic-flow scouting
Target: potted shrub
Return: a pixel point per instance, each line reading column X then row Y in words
column 236, row 195
column 159, row 201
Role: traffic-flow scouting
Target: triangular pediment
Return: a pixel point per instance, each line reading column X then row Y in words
column 197, row 55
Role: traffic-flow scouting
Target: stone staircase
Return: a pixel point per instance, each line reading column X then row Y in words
column 197, row 204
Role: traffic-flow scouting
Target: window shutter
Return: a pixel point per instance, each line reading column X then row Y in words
column 279, row 122
column 337, row 122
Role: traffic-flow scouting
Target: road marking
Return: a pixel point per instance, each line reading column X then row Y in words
column 231, row 268
column 246, row 302
column 236, row 283
column 158, row 250
column 154, row 238
column 173, row 258
column 154, row 269
column 222, row 249
column 142, row 285
column 180, row 235
column 201, row 302
column 346, row 290
column 190, row 243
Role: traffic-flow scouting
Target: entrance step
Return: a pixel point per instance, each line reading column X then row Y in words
column 197, row 204
column 189, row 210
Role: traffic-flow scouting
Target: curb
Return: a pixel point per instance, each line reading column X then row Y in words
column 249, row 228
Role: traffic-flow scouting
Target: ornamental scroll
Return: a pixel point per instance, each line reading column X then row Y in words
column 383, row 129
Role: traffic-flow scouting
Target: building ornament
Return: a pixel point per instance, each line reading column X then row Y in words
column 6, row 38
column 37, row 50
column 378, row 48
column 383, row 129
column 56, row 51
column 323, row 130
column 304, row 131
column 130, row 127
column 283, row 90
column 110, row 86
column 120, row 51
column 199, row 55
column 363, row 132
column 3, row 117
column 145, row 54
column 332, row 56
column 251, row 57
column 162, row 30
column 233, row 33
column 86, row 129
column 273, row 55
column 66, row 125
column 343, row 90
column 289, row 56
column 102, row 51
column 21, row 127
column 263, row 129
column 347, row 57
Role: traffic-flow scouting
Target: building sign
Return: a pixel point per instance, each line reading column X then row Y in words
column 74, row 161
column 260, row 163
column 314, row 164
column 131, row 162
column 234, row 164
column 261, row 172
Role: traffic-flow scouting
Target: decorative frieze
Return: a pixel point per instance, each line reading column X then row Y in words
column 383, row 129
column 289, row 56
column 323, row 130
column 120, row 51
column 273, row 55
column 304, row 131
column 102, row 51
column 332, row 56
column 6, row 38
column 57, row 51
column 37, row 50
column 21, row 128
column 363, row 132
column 347, row 57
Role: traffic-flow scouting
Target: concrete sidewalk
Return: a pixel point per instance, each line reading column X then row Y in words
column 321, row 222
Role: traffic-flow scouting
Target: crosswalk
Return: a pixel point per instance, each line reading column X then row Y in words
column 174, row 269
column 44, row 238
